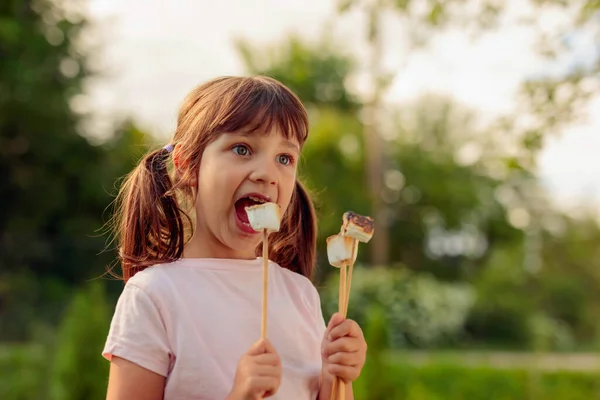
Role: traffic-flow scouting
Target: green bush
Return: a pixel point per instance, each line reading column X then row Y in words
column 510, row 312
column 23, row 369
column 505, row 304
column 78, row 370
column 452, row 382
column 389, row 378
column 419, row 310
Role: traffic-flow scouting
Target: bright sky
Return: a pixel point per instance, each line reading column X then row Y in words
column 156, row 51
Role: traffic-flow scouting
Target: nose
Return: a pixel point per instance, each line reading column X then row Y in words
column 264, row 171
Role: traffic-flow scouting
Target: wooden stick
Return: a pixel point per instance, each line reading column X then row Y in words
column 349, row 285
column 338, row 385
column 265, row 255
column 334, row 390
column 342, row 294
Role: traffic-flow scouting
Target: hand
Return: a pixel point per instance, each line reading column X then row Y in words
column 343, row 349
column 258, row 373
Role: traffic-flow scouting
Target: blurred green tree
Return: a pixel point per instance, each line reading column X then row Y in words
column 425, row 140
column 460, row 202
column 54, row 183
column 547, row 102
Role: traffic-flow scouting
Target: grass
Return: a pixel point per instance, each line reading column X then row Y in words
column 500, row 359
column 411, row 375
column 477, row 376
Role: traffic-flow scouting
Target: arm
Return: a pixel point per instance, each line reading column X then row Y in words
column 137, row 347
column 128, row 380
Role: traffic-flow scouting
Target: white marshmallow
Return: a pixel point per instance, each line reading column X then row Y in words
column 264, row 216
column 357, row 226
column 339, row 250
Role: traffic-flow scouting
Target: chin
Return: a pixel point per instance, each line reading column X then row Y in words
column 246, row 253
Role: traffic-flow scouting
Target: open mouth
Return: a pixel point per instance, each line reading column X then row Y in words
column 240, row 210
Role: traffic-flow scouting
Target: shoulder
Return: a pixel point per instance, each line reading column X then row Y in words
column 155, row 281
column 148, row 278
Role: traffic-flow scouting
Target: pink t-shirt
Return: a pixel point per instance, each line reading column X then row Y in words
column 192, row 320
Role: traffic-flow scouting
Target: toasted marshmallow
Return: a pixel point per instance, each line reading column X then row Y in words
column 357, row 226
column 339, row 250
column 264, row 216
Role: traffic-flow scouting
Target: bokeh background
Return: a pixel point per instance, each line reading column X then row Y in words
column 468, row 129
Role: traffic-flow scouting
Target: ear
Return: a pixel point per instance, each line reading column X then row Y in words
column 181, row 166
column 178, row 161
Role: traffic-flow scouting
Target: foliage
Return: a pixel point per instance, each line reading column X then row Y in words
column 418, row 310
column 296, row 63
column 55, row 185
column 65, row 365
column 24, row 371
column 397, row 377
column 451, row 193
column 454, row 382
column 77, row 367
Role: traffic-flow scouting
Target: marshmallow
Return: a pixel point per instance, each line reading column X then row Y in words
column 357, row 226
column 340, row 249
column 264, row 216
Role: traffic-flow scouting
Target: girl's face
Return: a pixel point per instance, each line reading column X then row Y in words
column 237, row 170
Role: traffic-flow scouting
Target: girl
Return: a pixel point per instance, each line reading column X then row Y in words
column 187, row 322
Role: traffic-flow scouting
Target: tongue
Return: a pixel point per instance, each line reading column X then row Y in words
column 240, row 209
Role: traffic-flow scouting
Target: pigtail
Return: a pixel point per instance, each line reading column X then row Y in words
column 149, row 225
column 295, row 245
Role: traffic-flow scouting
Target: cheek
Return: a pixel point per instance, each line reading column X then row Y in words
column 208, row 187
column 216, row 186
column 287, row 190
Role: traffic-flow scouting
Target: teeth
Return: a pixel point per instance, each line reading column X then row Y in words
column 256, row 199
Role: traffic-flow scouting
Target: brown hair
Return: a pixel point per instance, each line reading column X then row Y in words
column 150, row 224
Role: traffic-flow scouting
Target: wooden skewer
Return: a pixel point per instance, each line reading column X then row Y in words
column 338, row 385
column 265, row 255
column 345, row 285
column 349, row 283
column 334, row 390
column 347, row 291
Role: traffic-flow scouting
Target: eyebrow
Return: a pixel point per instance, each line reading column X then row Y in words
column 284, row 142
column 291, row 145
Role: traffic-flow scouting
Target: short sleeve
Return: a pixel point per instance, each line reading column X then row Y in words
column 137, row 332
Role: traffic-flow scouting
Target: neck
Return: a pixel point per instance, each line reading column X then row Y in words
column 203, row 245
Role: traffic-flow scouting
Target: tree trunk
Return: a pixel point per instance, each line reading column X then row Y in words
column 373, row 142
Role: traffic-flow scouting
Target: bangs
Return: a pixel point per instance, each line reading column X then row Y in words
column 257, row 105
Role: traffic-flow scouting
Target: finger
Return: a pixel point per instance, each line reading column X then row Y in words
column 269, row 348
column 346, row 328
column 345, row 345
column 267, row 359
column 334, row 321
column 268, row 371
column 346, row 359
column 261, row 346
column 346, row 373
column 258, row 347
column 262, row 384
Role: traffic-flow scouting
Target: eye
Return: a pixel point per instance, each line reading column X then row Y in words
column 241, row 150
column 285, row 159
